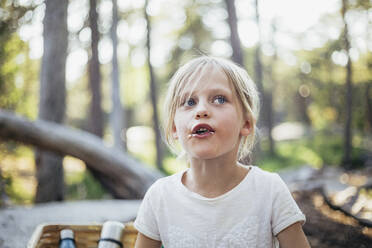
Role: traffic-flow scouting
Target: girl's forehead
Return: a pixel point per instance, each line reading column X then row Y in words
column 208, row 76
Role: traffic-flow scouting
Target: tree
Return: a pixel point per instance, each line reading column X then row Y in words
column 258, row 78
column 117, row 114
column 346, row 161
column 96, row 122
column 237, row 55
column 268, row 95
column 52, row 103
column 153, row 94
column 96, row 113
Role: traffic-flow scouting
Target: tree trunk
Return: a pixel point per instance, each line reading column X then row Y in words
column 270, row 121
column 302, row 106
column 257, row 58
column 369, row 106
column 269, row 94
column 96, row 115
column 126, row 177
column 153, row 94
column 237, row 56
column 96, row 123
column 258, row 80
column 117, row 114
column 346, row 161
column 49, row 169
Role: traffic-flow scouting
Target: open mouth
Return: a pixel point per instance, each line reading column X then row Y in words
column 202, row 130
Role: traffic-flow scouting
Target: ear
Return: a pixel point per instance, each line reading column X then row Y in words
column 174, row 132
column 246, row 129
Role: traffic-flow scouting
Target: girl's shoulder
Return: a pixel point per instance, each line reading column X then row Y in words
column 264, row 174
column 264, row 177
column 166, row 182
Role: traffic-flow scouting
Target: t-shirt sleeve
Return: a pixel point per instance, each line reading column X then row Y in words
column 145, row 221
column 285, row 211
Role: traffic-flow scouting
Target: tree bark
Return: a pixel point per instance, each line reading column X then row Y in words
column 237, row 56
column 127, row 177
column 346, row 161
column 269, row 94
column 117, row 114
column 270, row 121
column 96, row 114
column 258, row 80
column 96, row 122
column 153, row 94
column 369, row 106
column 49, row 169
column 257, row 57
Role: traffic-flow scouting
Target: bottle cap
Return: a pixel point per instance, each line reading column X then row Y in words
column 67, row 234
column 112, row 230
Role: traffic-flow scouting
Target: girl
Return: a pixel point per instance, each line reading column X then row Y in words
column 211, row 108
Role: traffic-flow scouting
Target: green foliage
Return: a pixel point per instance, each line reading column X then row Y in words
column 322, row 149
column 9, row 93
column 326, row 82
column 82, row 185
column 17, row 172
column 17, row 189
column 12, row 55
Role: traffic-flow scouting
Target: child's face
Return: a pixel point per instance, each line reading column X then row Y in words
column 209, row 122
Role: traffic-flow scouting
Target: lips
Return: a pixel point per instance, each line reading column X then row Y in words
column 202, row 131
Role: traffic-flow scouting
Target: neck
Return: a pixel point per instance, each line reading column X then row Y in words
column 213, row 177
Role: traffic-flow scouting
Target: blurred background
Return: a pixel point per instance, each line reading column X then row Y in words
column 103, row 66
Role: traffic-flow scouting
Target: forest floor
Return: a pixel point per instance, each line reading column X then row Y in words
column 324, row 227
column 327, row 228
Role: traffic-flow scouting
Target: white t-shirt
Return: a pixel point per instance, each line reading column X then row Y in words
column 249, row 215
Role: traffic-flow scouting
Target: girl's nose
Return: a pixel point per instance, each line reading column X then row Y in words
column 202, row 109
column 202, row 114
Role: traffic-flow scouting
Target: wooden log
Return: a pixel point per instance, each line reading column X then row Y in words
column 347, row 212
column 127, row 177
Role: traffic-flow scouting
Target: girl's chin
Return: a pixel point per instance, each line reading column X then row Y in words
column 204, row 155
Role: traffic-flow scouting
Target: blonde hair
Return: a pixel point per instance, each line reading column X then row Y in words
column 245, row 88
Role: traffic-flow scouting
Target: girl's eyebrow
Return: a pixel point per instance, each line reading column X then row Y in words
column 220, row 90
column 212, row 91
column 186, row 94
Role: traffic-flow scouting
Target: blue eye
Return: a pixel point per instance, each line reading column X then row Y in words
column 190, row 102
column 219, row 100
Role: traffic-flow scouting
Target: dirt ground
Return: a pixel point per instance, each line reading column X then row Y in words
column 326, row 228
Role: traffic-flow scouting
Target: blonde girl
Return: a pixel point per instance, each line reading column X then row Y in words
column 211, row 110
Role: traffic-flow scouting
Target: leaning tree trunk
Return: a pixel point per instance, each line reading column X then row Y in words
column 117, row 114
column 49, row 169
column 237, row 55
column 126, row 177
column 346, row 161
column 153, row 93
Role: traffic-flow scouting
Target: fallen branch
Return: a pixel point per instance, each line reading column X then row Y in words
column 126, row 177
column 361, row 221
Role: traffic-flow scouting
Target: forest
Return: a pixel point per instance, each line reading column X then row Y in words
column 82, row 86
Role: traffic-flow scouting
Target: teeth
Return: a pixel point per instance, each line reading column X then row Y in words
column 202, row 130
